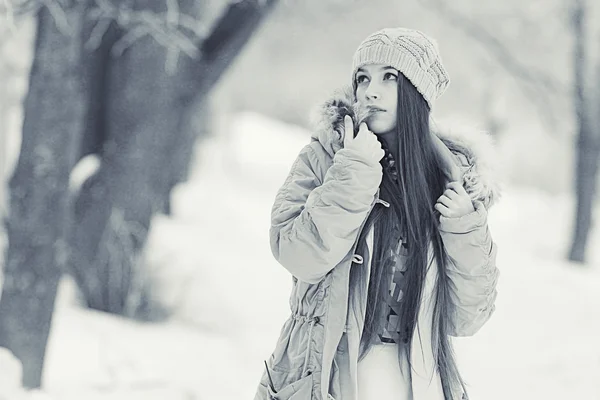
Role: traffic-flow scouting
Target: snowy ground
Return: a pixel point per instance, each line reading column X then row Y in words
column 215, row 267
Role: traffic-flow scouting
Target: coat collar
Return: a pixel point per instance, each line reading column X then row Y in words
column 474, row 149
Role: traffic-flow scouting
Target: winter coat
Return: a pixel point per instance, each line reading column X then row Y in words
column 316, row 219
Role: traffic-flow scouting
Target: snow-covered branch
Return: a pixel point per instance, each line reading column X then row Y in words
column 174, row 29
column 177, row 31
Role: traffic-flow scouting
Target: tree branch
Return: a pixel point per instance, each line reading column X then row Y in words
column 14, row 9
column 176, row 31
column 537, row 85
column 229, row 35
column 59, row 15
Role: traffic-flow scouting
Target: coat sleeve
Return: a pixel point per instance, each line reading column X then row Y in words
column 472, row 270
column 315, row 224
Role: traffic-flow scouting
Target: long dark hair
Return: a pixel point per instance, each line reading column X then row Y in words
column 412, row 198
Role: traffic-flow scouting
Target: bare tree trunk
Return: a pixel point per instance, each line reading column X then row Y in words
column 588, row 143
column 38, row 205
column 3, row 164
column 148, row 143
column 587, row 172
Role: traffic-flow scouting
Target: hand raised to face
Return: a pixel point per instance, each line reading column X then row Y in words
column 365, row 143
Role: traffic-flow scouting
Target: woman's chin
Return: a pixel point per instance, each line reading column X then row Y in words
column 379, row 126
column 380, row 129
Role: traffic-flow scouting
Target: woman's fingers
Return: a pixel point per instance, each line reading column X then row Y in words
column 457, row 187
column 445, row 201
column 368, row 139
column 456, row 200
column 348, row 131
column 451, row 194
column 442, row 209
column 365, row 142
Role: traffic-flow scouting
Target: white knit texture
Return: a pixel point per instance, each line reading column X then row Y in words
column 409, row 51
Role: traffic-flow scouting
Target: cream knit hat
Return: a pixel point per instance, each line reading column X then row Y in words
column 409, row 51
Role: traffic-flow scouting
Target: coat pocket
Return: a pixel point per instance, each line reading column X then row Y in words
column 298, row 390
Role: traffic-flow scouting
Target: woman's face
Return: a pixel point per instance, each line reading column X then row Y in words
column 377, row 88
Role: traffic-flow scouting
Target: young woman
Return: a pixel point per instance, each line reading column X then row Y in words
column 382, row 223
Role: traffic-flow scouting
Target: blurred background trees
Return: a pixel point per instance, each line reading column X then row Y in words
column 586, row 99
column 118, row 93
column 120, row 81
column 547, row 93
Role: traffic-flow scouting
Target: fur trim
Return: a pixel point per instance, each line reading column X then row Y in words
column 476, row 154
column 474, row 149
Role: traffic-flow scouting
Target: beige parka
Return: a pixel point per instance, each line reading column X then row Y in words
column 317, row 217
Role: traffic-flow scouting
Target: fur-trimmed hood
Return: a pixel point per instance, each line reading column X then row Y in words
column 474, row 149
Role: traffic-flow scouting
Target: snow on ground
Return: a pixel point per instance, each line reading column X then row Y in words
column 214, row 267
column 542, row 342
column 96, row 356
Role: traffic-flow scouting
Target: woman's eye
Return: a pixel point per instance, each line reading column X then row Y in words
column 390, row 75
column 361, row 78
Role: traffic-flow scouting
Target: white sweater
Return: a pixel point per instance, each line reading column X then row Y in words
column 379, row 373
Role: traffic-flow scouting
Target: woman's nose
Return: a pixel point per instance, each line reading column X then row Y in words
column 372, row 92
column 371, row 95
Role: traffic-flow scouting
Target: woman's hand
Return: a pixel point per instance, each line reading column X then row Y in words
column 365, row 143
column 455, row 202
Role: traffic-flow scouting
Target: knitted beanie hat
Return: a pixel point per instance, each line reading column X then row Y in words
column 409, row 51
